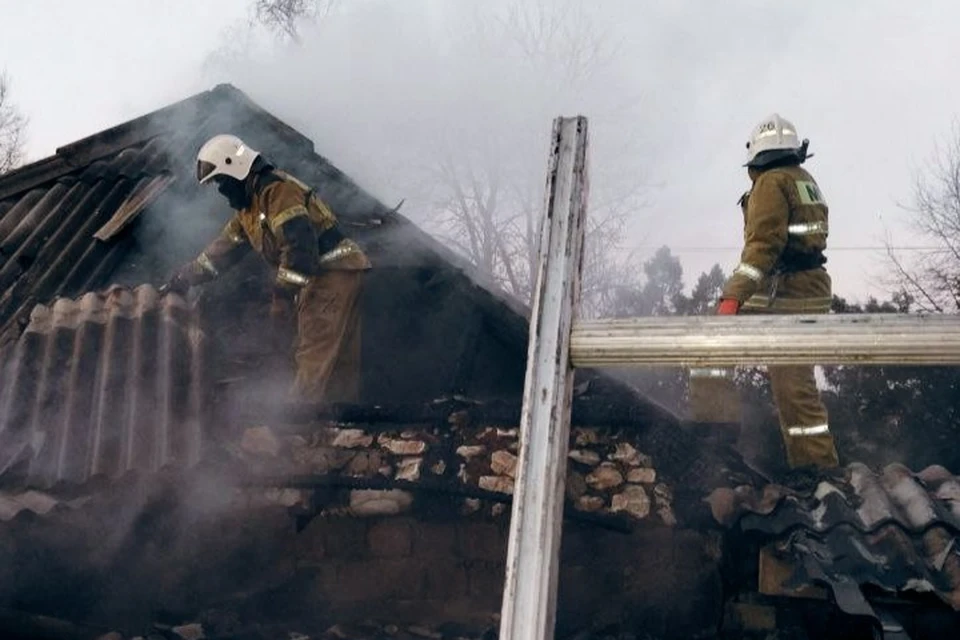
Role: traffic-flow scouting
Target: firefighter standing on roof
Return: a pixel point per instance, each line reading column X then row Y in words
column 782, row 270
column 318, row 270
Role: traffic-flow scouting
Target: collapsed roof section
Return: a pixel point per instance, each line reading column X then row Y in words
column 62, row 219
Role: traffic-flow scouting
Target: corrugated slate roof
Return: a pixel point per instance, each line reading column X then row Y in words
column 102, row 385
column 13, row 503
column 62, row 218
column 47, row 244
column 896, row 530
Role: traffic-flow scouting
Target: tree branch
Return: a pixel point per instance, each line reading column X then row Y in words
column 282, row 16
column 13, row 126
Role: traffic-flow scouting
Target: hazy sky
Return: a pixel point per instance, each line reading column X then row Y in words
column 872, row 83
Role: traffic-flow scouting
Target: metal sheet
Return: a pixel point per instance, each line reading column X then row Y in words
column 533, row 555
column 863, row 339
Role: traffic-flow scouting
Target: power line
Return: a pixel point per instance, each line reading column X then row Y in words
column 828, row 250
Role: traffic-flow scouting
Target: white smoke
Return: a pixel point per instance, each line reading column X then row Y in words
column 395, row 93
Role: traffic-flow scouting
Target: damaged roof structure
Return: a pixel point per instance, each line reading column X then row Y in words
column 147, row 477
column 121, row 208
column 138, row 429
column 864, row 538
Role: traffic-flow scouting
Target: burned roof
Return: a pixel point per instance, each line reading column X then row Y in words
column 62, row 219
column 67, row 222
column 103, row 210
column 895, row 530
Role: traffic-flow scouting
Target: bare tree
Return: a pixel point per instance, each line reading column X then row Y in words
column 13, row 127
column 932, row 278
column 487, row 184
column 283, row 16
column 491, row 213
column 477, row 161
column 558, row 33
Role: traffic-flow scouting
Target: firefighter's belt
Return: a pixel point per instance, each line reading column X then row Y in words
column 797, row 262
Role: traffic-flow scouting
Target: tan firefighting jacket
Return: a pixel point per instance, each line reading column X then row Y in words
column 784, row 234
column 289, row 226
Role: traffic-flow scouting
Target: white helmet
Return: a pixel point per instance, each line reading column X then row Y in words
column 772, row 134
column 224, row 155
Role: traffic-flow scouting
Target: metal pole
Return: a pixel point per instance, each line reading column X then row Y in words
column 720, row 341
column 533, row 552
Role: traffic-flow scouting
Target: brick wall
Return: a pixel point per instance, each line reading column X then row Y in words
column 252, row 564
column 414, row 571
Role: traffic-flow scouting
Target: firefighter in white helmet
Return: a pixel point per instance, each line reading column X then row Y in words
column 318, row 270
column 781, row 270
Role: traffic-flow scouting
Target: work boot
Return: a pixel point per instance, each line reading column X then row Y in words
column 806, row 478
column 720, row 435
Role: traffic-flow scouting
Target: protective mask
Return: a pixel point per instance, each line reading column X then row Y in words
column 235, row 192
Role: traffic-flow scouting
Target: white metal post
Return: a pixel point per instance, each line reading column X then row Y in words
column 533, row 553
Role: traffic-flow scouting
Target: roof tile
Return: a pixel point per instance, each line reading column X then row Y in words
column 896, row 529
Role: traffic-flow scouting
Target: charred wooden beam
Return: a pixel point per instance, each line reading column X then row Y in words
column 586, row 412
column 17, row 625
column 319, row 481
column 467, row 355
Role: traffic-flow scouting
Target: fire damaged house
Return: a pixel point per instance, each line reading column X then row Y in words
column 153, row 483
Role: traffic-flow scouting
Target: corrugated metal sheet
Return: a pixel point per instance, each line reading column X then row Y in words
column 101, row 385
column 895, row 529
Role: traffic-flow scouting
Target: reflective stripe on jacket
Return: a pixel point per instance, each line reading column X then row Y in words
column 286, row 224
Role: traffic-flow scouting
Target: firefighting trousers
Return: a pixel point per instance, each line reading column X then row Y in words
column 803, row 418
column 804, row 423
column 328, row 338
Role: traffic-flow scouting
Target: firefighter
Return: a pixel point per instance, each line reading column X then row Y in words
column 318, row 271
column 781, row 270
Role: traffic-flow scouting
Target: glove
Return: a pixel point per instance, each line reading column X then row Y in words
column 728, row 307
column 179, row 283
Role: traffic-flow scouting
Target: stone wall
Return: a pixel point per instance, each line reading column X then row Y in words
column 428, row 557
column 606, row 472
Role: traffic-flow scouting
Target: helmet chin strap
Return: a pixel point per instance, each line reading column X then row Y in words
column 802, row 152
column 780, row 157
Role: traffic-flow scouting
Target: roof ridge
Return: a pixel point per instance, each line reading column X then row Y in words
column 84, row 151
column 129, row 133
